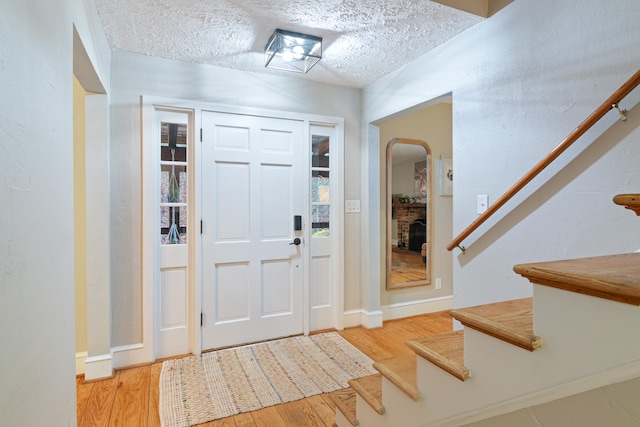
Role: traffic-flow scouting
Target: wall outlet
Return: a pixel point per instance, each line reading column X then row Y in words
column 483, row 203
column 438, row 283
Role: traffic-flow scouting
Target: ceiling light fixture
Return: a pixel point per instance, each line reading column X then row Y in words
column 291, row 51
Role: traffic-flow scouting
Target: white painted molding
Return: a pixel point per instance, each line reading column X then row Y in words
column 372, row 319
column 130, row 355
column 97, row 367
column 367, row 319
column 415, row 308
column 80, row 358
column 352, row 318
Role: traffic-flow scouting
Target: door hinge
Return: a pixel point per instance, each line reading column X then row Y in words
column 201, row 319
column 200, row 134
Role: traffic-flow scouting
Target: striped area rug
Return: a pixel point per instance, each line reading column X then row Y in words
column 197, row 389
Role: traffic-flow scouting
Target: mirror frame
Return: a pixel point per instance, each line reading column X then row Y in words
column 428, row 212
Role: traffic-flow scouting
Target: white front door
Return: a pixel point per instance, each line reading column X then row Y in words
column 253, row 185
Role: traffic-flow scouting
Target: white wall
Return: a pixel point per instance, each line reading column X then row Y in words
column 135, row 75
column 36, row 220
column 521, row 82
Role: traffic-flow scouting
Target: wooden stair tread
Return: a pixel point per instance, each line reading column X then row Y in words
column 445, row 351
column 510, row 321
column 613, row 277
column 370, row 389
column 629, row 201
column 345, row 401
column 401, row 371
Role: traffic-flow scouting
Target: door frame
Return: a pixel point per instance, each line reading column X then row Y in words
column 149, row 223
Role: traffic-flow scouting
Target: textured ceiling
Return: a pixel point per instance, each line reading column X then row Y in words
column 363, row 40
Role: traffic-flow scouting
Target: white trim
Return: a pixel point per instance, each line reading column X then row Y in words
column 415, row 308
column 80, row 358
column 367, row 319
column 352, row 318
column 129, row 355
column 97, row 367
column 372, row 319
column 338, row 243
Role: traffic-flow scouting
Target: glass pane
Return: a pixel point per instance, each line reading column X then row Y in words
column 173, row 184
column 320, row 151
column 179, row 154
column 320, row 186
column 173, row 141
column 173, row 225
column 320, row 215
column 320, row 232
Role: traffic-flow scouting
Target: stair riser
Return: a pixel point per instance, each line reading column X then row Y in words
column 341, row 420
column 437, row 387
column 590, row 332
column 406, row 412
column 367, row 416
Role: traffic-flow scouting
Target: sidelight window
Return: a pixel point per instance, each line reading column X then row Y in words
column 173, row 184
column 320, row 186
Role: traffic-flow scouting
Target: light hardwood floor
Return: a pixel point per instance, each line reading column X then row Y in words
column 407, row 266
column 130, row 398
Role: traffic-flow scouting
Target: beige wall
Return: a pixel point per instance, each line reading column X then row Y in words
column 79, row 215
column 433, row 126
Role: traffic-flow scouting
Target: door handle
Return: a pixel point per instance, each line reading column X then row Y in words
column 296, row 241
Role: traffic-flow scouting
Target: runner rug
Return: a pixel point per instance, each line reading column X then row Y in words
column 197, row 389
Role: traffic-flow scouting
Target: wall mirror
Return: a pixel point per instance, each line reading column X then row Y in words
column 408, row 203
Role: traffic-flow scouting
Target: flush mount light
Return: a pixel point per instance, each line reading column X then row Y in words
column 291, row 51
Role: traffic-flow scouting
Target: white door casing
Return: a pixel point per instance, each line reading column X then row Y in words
column 252, row 187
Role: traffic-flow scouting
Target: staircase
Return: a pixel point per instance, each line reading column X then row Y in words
column 578, row 332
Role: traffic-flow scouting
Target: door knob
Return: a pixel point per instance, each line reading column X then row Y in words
column 296, row 241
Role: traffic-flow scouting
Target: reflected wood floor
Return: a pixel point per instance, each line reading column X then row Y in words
column 407, row 266
column 131, row 397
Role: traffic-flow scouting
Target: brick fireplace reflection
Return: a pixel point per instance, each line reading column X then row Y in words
column 411, row 225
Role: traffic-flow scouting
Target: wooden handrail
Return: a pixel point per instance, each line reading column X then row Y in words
column 611, row 102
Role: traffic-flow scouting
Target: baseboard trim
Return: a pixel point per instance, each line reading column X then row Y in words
column 130, row 355
column 352, row 318
column 96, row 367
column 80, row 358
column 367, row 319
column 415, row 308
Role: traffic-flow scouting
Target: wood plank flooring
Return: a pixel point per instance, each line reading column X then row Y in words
column 407, row 266
column 131, row 397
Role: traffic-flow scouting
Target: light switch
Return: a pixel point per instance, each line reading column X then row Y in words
column 483, row 203
column 352, row 206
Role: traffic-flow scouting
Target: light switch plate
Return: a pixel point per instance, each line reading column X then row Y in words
column 352, row 206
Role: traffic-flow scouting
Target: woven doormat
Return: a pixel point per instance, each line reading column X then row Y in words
column 197, row 389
